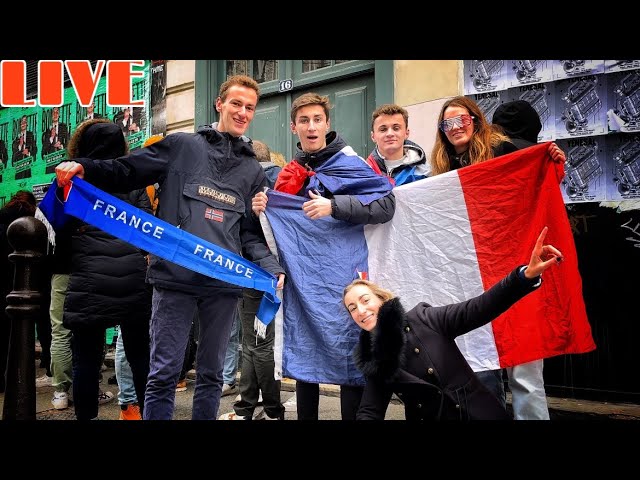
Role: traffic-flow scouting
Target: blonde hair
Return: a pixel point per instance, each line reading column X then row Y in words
column 485, row 137
column 278, row 159
column 382, row 293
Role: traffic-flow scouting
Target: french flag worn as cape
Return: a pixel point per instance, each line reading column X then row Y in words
column 452, row 237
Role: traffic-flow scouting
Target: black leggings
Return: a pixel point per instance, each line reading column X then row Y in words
column 308, row 400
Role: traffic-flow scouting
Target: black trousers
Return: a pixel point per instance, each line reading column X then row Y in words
column 136, row 341
column 258, row 365
column 308, row 400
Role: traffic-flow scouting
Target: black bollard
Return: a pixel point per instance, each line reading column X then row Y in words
column 28, row 237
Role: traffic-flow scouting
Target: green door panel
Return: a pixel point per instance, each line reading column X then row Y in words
column 353, row 101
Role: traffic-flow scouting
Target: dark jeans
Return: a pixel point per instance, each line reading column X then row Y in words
column 258, row 365
column 171, row 318
column 135, row 340
column 191, row 350
column 308, row 400
column 87, row 345
column 492, row 380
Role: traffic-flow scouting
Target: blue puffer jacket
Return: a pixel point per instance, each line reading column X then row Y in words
column 195, row 171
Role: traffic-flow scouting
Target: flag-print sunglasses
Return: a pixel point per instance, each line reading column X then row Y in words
column 456, row 122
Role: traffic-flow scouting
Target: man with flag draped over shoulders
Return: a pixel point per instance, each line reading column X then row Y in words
column 340, row 184
column 207, row 180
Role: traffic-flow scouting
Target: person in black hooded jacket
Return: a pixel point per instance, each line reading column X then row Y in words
column 414, row 354
column 521, row 123
column 214, row 168
column 106, row 283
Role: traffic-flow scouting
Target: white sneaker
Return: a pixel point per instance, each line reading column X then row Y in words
column 104, row 397
column 44, row 381
column 262, row 415
column 232, row 416
column 229, row 389
column 291, row 405
column 60, row 400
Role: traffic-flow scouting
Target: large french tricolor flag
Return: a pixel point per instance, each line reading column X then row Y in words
column 452, row 237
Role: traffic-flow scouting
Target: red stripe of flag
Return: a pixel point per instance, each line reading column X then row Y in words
column 509, row 200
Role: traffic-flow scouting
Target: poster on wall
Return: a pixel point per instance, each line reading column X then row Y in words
column 56, row 131
column 36, row 138
column 4, row 151
column 485, row 76
column 620, row 65
column 24, row 148
column 580, row 107
column 541, row 97
column 158, row 97
column 134, row 121
column 585, row 174
column 623, row 101
column 488, row 102
column 623, row 166
column 576, row 68
column 524, row 72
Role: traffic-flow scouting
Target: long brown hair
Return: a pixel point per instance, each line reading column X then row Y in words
column 23, row 202
column 485, row 137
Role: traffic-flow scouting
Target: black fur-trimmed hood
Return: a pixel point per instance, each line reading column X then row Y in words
column 381, row 351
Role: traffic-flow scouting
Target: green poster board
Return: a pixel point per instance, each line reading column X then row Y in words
column 31, row 147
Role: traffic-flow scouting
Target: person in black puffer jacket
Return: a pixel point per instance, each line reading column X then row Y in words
column 107, row 283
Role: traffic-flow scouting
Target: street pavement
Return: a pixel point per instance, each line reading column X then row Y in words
column 560, row 409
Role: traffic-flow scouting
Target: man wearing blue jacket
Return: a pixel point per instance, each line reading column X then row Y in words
column 213, row 170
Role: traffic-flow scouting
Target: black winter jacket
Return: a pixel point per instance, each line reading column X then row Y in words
column 414, row 354
column 107, row 283
column 207, row 169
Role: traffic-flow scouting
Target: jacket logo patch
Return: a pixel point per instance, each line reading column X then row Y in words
column 213, row 214
column 216, row 195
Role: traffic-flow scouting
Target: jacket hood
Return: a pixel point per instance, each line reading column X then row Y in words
column 99, row 141
column 381, row 351
column 241, row 144
column 335, row 143
column 212, row 129
column 519, row 120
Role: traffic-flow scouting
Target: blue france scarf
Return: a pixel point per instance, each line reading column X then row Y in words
column 160, row 238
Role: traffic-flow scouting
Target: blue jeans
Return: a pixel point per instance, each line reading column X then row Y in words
column 528, row 397
column 171, row 318
column 127, row 391
column 231, row 357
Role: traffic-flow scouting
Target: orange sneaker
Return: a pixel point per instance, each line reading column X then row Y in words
column 181, row 386
column 130, row 412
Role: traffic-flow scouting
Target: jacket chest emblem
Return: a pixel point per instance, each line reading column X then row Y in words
column 209, row 192
column 213, row 214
